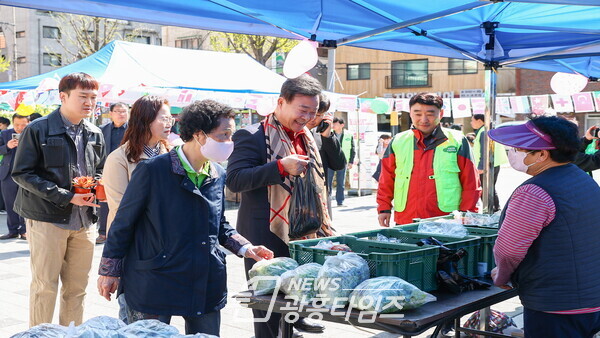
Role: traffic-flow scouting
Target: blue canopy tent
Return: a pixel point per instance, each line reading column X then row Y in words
column 550, row 35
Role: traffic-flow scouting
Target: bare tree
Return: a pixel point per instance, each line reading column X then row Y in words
column 81, row 35
column 261, row 48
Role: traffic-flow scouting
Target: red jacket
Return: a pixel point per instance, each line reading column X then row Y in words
column 422, row 198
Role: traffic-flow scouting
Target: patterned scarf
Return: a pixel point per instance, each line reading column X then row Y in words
column 279, row 146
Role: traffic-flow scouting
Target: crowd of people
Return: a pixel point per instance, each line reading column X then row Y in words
column 162, row 223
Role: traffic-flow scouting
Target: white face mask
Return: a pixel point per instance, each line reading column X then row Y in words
column 216, row 151
column 516, row 160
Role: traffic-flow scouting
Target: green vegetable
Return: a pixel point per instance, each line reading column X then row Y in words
column 387, row 295
column 269, row 268
column 300, row 282
column 338, row 277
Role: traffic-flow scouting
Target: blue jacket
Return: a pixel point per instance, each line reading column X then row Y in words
column 165, row 237
column 561, row 270
column 9, row 154
column 107, row 132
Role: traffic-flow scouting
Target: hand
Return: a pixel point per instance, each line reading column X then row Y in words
column 258, row 253
column 350, row 165
column 384, row 219
column 329, row 120
column 84, row 200
column 12, row 144
column 480, row 172
column 494, row 274
column 107, row 286
column 294, row 164
column 589, row 133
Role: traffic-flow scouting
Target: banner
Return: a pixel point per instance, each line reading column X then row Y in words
column 583, row 102
column 478, row 105
column 539, row 104
column 503, row 107
column 461, row 108
column 596, row 96
column 364, row 128
column 401, row 105
column 520, row 105
column 562, row 103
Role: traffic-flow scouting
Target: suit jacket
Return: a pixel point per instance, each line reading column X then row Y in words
column 9, row 154
column 331, row 153
column 107, row 131
column 249, row 173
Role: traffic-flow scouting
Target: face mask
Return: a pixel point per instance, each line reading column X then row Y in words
column 216, row 151
column 516, row 160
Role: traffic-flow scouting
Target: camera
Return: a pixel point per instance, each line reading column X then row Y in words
column 16, row 136
column 323, row 125
column 595, row 132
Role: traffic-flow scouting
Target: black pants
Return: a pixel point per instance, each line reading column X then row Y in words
column 103, row 215
column 14, row 222
column 549, row 325
column 209, row 323
column 496, row 200
column 270, row 328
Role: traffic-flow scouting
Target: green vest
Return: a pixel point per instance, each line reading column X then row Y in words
column 445, row 169
column 591, row 148
column 346, row 145
column 500, row 156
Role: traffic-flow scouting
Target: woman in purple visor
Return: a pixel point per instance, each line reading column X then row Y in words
column 547, row 243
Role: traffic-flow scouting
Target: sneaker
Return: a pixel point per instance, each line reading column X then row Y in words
column 101, row 239
column 2, row 212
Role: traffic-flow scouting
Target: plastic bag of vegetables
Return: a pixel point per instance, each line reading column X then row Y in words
column 272, row 268
column 300, row 282
column 388, row 294
column 338, row 277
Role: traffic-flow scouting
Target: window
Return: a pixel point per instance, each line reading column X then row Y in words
column 54, row 60
column 21, row 59
column 20, row 34
column 51, row 32
column 141, row 39
column 413, row 73
column 456, row 67
column 188, row 43
column 360, row 71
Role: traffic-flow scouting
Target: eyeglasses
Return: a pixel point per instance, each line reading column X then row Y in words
column 167, row 120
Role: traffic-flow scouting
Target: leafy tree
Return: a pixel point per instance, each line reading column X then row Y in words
column 261, row 48
column 82, row 35
column 4, row 64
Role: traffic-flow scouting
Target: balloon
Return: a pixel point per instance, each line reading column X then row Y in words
column 568, row 84
column 265, row 107
column 379, row 106
column 300, row 59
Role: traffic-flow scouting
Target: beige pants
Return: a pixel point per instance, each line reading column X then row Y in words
column 55, row 253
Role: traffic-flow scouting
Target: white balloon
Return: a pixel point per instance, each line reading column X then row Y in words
column 265, row 107
column 568, row 84
column 300, row 59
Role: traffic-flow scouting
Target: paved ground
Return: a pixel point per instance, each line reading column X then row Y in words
column 358, row 215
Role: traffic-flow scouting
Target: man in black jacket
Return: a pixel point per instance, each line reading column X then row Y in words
column 329, row 146
column 52, row 151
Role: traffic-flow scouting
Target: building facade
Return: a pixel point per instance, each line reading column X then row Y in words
column 37, row 41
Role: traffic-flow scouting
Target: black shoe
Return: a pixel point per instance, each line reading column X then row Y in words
column 9, row 236
column 307, row 325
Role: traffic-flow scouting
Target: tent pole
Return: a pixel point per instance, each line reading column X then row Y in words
column 331, row 69
column 488, row 154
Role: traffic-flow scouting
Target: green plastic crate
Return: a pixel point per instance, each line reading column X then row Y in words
column 486, row 243
column 451, row 216
column 466, row 266
column 416, row 265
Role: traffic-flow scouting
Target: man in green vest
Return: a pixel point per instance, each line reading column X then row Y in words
column 427, row 171
column 347, row 142
column 588, row 158
column 500, row 157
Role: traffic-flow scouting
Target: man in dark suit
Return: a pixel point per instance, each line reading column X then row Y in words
column 249, row 172
column 113, row 134
column 9, row 141
column 329, row 146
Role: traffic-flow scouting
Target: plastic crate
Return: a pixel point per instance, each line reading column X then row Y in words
column 451, row 216
column 466, row 266
column 486, row 243
column 416, row 265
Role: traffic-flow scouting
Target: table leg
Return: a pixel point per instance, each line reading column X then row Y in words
column 484, row 319
column 287, row 329
column 456, row 327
